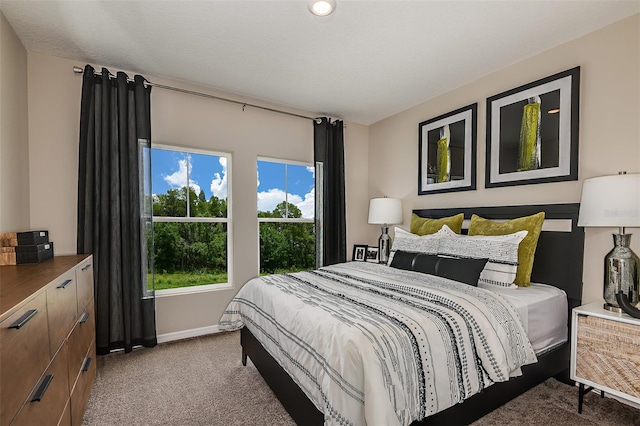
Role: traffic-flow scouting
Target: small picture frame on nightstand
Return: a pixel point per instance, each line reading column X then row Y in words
column 372, row 254
column 359, row 253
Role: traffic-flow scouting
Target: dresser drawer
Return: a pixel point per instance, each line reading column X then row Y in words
column 61, row 309
column 47, row 402
column 79, row 342
column 24, row 354
column 82, row 391
column 608, row 353
column 84, row 277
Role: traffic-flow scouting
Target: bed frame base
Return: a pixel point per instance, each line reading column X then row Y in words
column 303, row 412
column 499, row 394
column 299, row 407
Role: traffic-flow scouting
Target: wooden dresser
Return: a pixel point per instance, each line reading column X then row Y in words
column 47, row 341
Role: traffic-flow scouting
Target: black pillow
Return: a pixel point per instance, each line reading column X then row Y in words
column 425, row 263
column 463, row 270
column 403, row 260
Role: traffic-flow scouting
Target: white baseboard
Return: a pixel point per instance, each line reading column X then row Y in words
column 185, row 334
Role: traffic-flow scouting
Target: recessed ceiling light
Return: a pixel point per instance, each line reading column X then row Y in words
column 553, row 111
column 322, row 7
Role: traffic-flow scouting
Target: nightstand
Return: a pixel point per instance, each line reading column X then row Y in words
column 605, row 352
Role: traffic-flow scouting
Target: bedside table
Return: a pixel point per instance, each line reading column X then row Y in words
column 605, row 352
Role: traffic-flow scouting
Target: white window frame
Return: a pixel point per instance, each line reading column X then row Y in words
column 286, row 194
column 205, row 287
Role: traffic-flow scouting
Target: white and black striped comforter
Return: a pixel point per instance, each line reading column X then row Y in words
column 374, row 345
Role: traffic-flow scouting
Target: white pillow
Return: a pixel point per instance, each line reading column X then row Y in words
column 501, row 250
column 406, row 241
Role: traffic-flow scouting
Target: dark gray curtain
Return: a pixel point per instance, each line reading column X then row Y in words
column 115, row 127
column 331, row 235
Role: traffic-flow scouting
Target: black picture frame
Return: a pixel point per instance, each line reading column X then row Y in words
column 532, row 132
column 372, row 254
column 359, row 253
column 460, row 128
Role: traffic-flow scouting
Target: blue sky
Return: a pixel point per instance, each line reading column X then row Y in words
column 209, row 173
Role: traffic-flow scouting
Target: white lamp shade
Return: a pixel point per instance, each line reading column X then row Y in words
column 611, row 201
column 385, row 211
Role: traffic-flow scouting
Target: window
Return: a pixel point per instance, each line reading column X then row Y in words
column 190, row 244
column 286, row 210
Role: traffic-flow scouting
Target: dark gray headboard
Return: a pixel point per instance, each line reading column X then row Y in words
column 559, row 255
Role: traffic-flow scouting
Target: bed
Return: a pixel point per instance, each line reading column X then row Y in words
column 558, row 265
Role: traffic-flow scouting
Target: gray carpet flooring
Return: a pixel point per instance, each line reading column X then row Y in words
column 201, row 381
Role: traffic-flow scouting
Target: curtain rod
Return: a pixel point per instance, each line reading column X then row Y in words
column 79, row 70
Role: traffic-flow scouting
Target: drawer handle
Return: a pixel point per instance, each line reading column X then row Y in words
column 84, row 268
column 24, row 319
column 43, row 388
column 84, row 318
column 65, row 284
column 85, row 366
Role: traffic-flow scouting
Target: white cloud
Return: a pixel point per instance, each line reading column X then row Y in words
column 268, row 200
column 312, row 170
column 178, row 179
column 308, row 205
column 219, row 183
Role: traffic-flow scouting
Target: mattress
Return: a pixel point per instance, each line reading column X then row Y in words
column 543, row 310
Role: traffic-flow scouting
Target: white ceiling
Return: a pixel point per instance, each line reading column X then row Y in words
column 365, row 62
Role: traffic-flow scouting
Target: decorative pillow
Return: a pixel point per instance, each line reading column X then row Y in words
column 502, row 252
column 462, row 270
column 426, row 226
column 425, row 263
column 412, row 261
column 407, row 241
column 403, row 260
column 527, row 248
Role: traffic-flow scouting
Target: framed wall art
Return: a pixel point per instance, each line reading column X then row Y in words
column 447, row 152
column 532, row 132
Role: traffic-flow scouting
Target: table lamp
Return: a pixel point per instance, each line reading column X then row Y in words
column 385, row 211
column 614, row 201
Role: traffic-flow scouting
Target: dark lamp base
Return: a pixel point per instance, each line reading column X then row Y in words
column 621, row 266
column 384, row 245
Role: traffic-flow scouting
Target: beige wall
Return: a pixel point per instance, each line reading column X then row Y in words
column 14, row 132
column 181, row 120
column 609, row 134
column 356, row 151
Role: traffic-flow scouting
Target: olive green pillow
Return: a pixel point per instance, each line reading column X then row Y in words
column 527, row 247
column 426, row 226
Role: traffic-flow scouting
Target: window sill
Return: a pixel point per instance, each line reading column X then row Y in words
column 207, row 288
